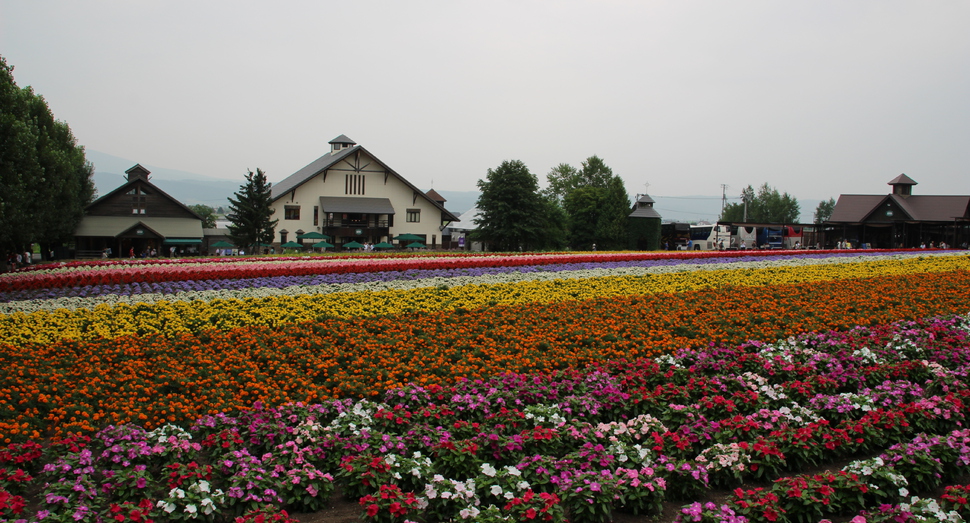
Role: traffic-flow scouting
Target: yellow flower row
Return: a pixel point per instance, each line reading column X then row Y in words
column 171, row 318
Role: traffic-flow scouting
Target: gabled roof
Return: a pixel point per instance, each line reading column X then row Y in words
column 328, row 160
column 278, row 190
column 466, row 222
column 124, row 188
column 644, row 212
column 938, row 208
column 433, row 194
column 856, row 208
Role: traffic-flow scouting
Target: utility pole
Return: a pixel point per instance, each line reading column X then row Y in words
column 723, row 197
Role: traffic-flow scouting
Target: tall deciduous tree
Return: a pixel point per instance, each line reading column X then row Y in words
column 250, row 213
column 207, row 213
column 561, row 180
column 824, row 210
column 45, row 180
column 511, row 213
column 767, row 206
column 595, row 202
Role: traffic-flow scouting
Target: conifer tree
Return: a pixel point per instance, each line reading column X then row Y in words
column 249, row 215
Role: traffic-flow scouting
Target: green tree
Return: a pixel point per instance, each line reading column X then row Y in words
column 554, row 226
column 595, row 173
column 561, row 180
column 45, row 179
column 250, row 213
column 207, row 213
column 595, row 203
column 511, row 209
column 767, row 206
column 824, row 210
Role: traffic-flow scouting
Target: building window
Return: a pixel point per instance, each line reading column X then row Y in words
column 283, row 236
column 316, row 215
column 354, row 184
column 291, row 212
column 414, row 215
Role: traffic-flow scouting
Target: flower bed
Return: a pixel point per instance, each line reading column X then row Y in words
column 486, row 388
column 576, row 444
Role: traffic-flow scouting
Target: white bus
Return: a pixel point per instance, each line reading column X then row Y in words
column 721, row 237
column 710, row 237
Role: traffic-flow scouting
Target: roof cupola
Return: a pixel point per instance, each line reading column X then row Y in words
column 340, row 143
column 137, row 172
column 902, row 185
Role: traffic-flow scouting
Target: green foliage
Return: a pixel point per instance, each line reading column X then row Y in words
column 562, row 180
column 45, row 180
column 511, row 216
column 643, row 234
column 250, row 213
column 207, row 213
column 595, row 203
column 554, row 219
column 767, row 206
column 824, row 210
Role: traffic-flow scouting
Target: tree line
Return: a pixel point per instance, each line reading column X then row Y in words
column 586, row 208
column 582, row 208
column 45, row 179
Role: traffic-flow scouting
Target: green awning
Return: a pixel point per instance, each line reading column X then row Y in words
column 181, row 241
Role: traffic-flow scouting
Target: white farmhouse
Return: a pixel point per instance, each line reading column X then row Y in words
column 351, row 196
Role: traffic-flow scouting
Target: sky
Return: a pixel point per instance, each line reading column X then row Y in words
column 816, row 98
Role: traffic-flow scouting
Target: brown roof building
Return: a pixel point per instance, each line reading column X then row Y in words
column 137, row 218
column 900, row 219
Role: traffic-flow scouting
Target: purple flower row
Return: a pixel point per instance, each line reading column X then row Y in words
column 281, row 282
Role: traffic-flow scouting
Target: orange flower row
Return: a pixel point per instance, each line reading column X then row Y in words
column 80, row 386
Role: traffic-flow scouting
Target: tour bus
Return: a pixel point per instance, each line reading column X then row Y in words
column 710, row 237
column 793, row 237
column 771, row 238
column 674, row 236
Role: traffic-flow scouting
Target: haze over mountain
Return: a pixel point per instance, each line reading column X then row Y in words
column 192, row 188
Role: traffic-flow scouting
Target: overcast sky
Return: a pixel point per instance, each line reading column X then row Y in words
column 816, row 98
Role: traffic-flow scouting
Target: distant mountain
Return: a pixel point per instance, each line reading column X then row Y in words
column 188, row 188
column 459, row 201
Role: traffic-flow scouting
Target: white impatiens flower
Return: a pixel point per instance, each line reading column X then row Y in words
column 496, row 490
column 468, row 512
column 167, row 506
column 191, row 509
column 488, row 470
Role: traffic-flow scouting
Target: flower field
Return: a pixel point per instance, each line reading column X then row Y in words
column 488, row 388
